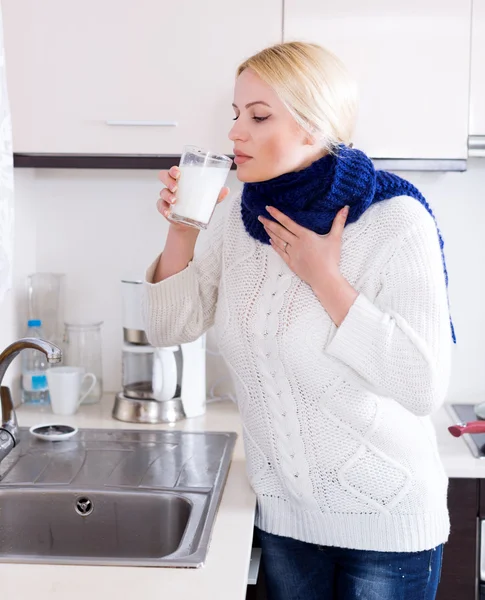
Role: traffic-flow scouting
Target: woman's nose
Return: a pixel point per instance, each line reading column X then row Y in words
column 237, row 132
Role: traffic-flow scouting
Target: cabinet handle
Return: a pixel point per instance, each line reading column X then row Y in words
column 143, row 123
column 476, row 145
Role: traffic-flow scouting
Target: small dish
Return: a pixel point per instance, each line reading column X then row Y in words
column 53, row 432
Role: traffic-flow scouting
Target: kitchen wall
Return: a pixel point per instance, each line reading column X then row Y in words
column 14, row 303
column 97, row 227
column 101, row 226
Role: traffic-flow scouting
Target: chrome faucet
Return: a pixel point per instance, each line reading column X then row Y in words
column 9, row 431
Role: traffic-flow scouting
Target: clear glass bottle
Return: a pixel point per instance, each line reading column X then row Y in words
column 34, row 365
column 83, row 348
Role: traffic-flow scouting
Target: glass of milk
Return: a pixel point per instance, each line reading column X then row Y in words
column 202, row 176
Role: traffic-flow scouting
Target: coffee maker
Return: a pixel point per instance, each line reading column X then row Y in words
column 160, row 385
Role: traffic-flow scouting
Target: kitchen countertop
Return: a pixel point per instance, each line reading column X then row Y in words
column 225, row 572
column 226, row 569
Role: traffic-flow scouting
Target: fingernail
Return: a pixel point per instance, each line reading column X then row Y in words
column 173, row 188
column 268, row 208
column 260, row 219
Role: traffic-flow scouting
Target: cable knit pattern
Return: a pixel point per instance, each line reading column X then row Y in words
column 313, row 196
column 340, row 449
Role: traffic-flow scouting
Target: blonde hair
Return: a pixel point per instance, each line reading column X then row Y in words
column 315, row 87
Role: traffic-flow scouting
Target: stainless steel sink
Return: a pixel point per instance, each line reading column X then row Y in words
column 80, row 523
column 145, row 498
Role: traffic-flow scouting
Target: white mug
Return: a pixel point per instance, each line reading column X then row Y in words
column 65, row 388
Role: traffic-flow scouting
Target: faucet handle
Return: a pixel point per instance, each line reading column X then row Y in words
column 9, row 418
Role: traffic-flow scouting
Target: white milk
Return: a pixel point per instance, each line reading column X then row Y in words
column 197, row 192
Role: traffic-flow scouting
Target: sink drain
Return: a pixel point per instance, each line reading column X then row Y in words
column 84, row 507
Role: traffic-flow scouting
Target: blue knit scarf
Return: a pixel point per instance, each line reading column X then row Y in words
column 313, row 196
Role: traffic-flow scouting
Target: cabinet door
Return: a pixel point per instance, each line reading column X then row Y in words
column 477, row 78
column 411, row 60
column 459, row 572
column 125, row 77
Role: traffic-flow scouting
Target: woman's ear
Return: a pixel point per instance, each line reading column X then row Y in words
column 309, row 139
column 306, row 137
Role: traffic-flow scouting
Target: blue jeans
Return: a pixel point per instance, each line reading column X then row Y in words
column 297, row 570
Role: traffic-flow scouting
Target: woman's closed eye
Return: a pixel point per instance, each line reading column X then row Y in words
column 257, row 119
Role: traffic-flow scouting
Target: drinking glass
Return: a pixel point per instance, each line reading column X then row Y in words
column 202, row 176
column 46, row 302
column 83, row 348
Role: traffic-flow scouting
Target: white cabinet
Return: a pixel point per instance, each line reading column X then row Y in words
column 126, row 77
column 412, row 62
column 477, row 75
column 477, row 80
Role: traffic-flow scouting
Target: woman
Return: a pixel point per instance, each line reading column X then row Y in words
column 327, row 288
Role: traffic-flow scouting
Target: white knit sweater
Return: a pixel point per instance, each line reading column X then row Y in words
column 340, row 449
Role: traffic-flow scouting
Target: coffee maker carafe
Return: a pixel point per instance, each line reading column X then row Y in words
column 153, row 373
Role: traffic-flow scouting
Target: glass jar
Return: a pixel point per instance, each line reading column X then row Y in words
column 83, row 348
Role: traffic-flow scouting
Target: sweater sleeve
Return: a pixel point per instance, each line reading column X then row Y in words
column 181, row 308
column 400, row 344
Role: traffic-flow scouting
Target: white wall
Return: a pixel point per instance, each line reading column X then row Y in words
column 98, row 227
column 458, row 201
column 101, row 226
column 14, row 304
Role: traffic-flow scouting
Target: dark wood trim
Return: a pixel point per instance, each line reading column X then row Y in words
column 460, row 561
column 165, row 161
column 95, row 161
column 482, row 498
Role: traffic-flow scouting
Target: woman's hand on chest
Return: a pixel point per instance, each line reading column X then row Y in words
column 314, row 258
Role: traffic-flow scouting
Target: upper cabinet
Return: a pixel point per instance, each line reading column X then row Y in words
column 477, row 80
column 124, row 77
column 412, row 62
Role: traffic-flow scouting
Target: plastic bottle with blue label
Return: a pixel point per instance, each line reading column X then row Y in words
column 34, row 365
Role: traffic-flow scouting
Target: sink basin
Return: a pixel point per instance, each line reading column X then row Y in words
column 113, row 498
column 82, row 523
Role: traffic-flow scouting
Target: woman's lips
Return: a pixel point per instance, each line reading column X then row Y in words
column 240, row 159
